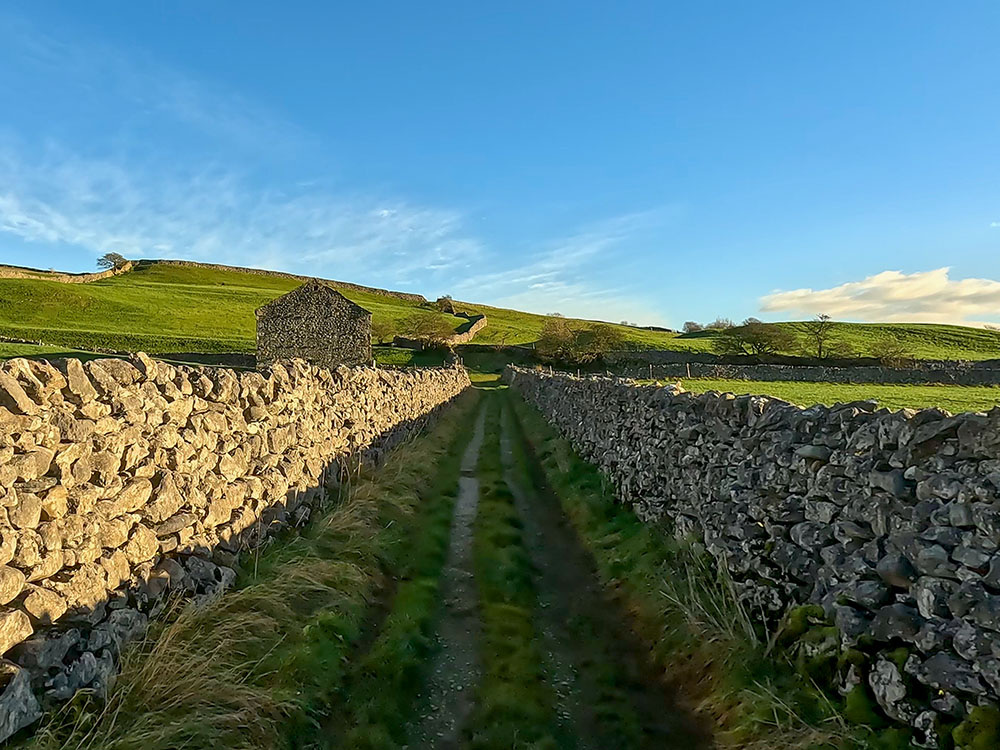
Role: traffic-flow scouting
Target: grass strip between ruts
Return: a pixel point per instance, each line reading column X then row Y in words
column 515, row 705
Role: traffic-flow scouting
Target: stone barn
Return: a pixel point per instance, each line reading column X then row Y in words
column 316, row 323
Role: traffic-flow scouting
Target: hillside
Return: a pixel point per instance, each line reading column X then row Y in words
column 166, row 308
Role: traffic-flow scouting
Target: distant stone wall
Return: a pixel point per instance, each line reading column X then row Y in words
column 16, row 272
column 263, row 272
column 478, row 324
column 887, row 522
column 951, row 373
column 122, row 480
column 677, row 364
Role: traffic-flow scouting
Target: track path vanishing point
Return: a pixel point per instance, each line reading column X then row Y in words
column 605, row 695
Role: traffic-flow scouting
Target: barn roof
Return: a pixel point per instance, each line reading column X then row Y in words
column 312, row 288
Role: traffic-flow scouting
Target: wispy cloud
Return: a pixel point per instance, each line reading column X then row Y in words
column 102, row 206
column 920, row 297
column 570, row 275
column 995, row 224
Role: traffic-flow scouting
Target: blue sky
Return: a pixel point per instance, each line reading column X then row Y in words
column 656, row 162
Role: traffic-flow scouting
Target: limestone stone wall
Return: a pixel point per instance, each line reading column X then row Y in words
column 950, row 373
column 16, row 272
column 478, row 323
column 888, row 521
column 121, row 480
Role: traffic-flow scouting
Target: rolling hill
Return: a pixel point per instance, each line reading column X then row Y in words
column 163, row 308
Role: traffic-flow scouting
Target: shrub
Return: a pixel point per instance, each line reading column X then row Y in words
column 754, row 338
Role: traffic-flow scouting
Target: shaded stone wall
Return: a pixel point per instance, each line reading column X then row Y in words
column 121, row 480
column 888, row 521
column 950, row 373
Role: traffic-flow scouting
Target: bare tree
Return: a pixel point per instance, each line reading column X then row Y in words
column 501, row 340
column 111, row 261
column 432, row 331
column 692, row 327
column 382, row 331
column 819, row 332
column 721, row 324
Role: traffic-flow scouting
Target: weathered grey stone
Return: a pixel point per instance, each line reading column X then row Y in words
column 18, row 706
column 896, row 621
column 889, row 690
column 947, row 672
column 45, row 651
column 932, row 596
column 891, row 481
column 896, row 570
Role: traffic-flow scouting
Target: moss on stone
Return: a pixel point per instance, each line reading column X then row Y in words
column 898, row 657
column 893, row 739
column 860, row 708
column 799, row 620
column 852, row 657
column 818, row 653
column 980, row 730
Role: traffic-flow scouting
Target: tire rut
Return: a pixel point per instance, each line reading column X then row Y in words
column 585, row 632
column 447, row 698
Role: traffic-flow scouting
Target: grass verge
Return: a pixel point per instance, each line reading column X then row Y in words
column 380, row 686
column 260, row 667
column 515, row 705
column 954, row 398
column 683, row 605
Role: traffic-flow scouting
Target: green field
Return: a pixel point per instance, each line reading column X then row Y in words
column 162, row 308
column 954, row 398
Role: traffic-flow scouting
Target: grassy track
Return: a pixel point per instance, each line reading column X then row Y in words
column 261, row 667
column 686, row 611
column 954, row 398
column 515, row 705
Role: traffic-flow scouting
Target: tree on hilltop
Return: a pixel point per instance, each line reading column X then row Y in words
column 112, row 261
column 818, row 331
column 693, row 327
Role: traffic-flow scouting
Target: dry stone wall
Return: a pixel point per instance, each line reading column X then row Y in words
column 889, row 521
column 17, row 272
column 122, row 480
column 950, row 373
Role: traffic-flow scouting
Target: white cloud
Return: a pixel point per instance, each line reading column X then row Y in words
column 920, row 297
column 102, row 206
column 995, row 224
